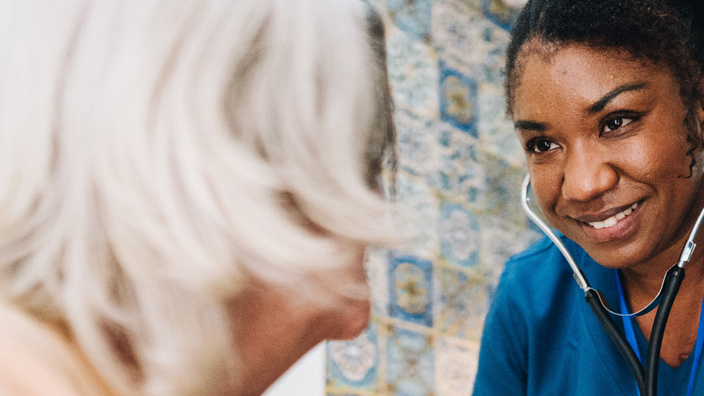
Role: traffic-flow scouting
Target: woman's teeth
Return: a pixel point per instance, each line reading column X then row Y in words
column 611, row 221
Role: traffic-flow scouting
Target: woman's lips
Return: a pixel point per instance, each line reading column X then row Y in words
column 613, row 220
column 617, row 226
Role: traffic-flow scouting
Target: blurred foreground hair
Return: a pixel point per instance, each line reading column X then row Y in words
column 156, row 154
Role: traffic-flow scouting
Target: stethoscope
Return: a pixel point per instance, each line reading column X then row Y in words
column 646, row 378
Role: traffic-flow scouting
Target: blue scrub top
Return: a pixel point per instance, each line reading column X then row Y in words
column 541, row 338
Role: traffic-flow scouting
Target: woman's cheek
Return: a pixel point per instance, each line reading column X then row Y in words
column 545, row 181
column 651, row 160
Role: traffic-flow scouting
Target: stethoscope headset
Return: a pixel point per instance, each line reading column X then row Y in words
column 645, row 377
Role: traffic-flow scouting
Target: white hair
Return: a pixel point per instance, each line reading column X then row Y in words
column 156, row 153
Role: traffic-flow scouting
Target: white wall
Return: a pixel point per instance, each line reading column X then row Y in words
column 305, row 378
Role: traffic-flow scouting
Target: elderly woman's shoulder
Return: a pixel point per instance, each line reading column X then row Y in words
column 36, row 360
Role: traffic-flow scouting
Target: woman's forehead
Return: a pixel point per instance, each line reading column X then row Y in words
column 582, row 75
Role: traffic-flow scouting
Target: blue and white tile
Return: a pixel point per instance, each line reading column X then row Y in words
column 417, row 143
column 416, row 216
column 455, row 35
column 413, row 74
column 501, row 240
column 472, row 5
column 457, row 186
column 410, row 289
column 460, row 236
column 458, row 99
column 411, row 363
column 503, row 194
column 496, row 132
column 462, row 303
column 455, row 366
column 411, row 16
column 469, row 43
column 503, row 13
column 459, row 175
column 354, row 363
column 496, row 41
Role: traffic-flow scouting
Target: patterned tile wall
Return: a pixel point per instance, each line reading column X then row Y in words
column 459, row 174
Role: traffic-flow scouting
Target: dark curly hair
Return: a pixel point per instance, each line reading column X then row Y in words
column 668, row 33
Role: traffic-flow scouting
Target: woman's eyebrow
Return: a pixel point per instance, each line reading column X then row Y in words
column 529, row 125
column 601, row 103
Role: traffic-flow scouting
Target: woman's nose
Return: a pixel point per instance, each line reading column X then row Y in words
column 587, row 175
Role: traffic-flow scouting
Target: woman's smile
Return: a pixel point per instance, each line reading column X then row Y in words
column 613, row 220
column 614, row 227
column 609, row 151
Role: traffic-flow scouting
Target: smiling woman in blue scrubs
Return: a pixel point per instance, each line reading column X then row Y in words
column 606, row 99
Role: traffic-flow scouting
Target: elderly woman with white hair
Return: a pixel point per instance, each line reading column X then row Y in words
column 187, row 189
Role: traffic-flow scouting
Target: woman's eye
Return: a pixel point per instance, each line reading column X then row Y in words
column 541, row 146
column 616, row 123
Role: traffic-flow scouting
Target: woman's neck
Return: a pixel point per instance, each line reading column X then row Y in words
column 641, row 285
column 272, row 331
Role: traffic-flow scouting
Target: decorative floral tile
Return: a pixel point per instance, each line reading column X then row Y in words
column 411, row 289
column 459, row 173
column 495, row 41
column 457, row 191
column 411, row 16
column 469, row 43
column 463, row 303
column 503, row 195
column 416, row 216
column 344, row 393
column 455, row 36
column 455, row 367
column 460, row 237
column 417, row 144
column 472, row 5
column 458, row 100
column 501, row 240
column 410, row 364
column 353, row 363
column 413, row 74
column 496, row 131
column 501, row 13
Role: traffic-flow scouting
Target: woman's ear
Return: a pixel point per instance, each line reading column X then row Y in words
column 696, row 137
column 699, row 109
column 694, row 121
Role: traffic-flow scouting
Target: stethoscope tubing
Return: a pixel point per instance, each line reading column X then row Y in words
column 646, row 378
column 673, row 280
column 617, row 338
